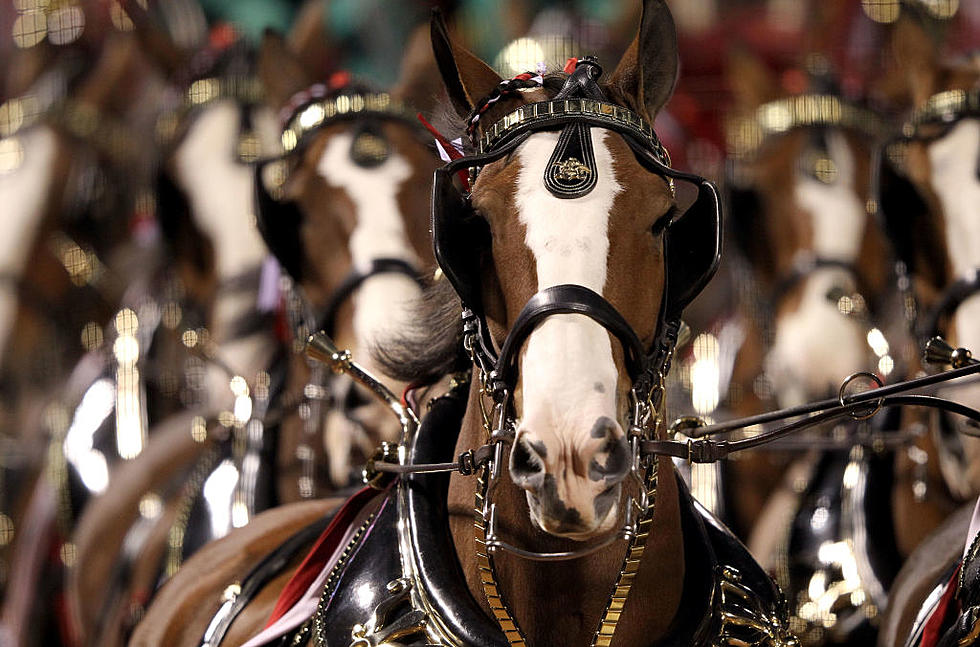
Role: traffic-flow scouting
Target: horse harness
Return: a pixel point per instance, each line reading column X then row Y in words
column 279, row 221
column 818, row 112
column 898, row 197
column 408, row 593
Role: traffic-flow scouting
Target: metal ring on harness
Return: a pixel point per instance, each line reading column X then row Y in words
column 843, row 387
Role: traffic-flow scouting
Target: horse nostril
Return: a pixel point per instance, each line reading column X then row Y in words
column 527, row 462
column 611, row 462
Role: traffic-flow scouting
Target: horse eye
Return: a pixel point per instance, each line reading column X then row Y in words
column 664, row 220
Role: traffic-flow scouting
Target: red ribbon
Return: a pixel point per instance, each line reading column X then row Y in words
column 326, row 545
column 931, row 632
column 450, row 149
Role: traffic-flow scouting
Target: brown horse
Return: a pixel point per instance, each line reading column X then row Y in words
column 579, row 222
column 168, row 497
column 76, row 195
column 928, row 191
column 209, row 343
column 801, row 180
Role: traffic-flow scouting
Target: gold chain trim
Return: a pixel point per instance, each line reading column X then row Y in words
column 747, row 134
column 488, row 574
column 178, row 531
column 319, row 623
column 620, row 592
column 943, row 107
column 631, row 565
column 600, row 111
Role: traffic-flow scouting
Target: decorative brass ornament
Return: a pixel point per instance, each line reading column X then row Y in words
column 369, row 149
column 386, row 627
column 571, row 170
column 598, row 112
column 745, row 621
column 745, row 135
column 315, row 114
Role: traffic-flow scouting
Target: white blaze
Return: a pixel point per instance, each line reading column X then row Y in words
column 816, row 346
column 953, row 161
column 381, row 303
column 221, row 194
column 22, row 196
column 567, row 372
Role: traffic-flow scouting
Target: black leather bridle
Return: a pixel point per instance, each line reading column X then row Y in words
column 692, row 240
column 356, row 278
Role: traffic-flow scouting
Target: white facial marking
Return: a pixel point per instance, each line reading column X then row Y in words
column 221, row 194
column 953, row 160
column 381, row 303
column 567, row 373
column 816, row 346
column 837, row 212
column 22, row 194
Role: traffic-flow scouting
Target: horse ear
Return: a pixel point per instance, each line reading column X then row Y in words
column 156, row 43
column 308, row 40
column 468, row 79
column 916, row 57
column 418, row 84
column 281, row 72
column 646, row 74
column 751, row 81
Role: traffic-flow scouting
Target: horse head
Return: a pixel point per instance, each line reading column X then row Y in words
column 799, row 187
column 561, row 253
column 346, row 209
column 929, row 185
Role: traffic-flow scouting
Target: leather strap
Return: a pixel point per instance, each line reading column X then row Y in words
column 569, row 299
column 353, row 281
column 952, row 298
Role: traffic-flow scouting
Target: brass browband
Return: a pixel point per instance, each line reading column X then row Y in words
column 778, row 117
column 314, row 114
column 246, row 89
column 943, row 108
column 593, row 110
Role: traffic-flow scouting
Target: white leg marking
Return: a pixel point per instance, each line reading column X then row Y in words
column 567, row 373
column 381, row 303
column 22, row 194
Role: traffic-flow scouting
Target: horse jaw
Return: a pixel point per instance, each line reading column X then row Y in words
column 22, row 193
column 568, row 375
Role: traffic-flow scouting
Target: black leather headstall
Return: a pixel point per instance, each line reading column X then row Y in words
column 347, row 287
column 461, row 237
column 900, row 204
